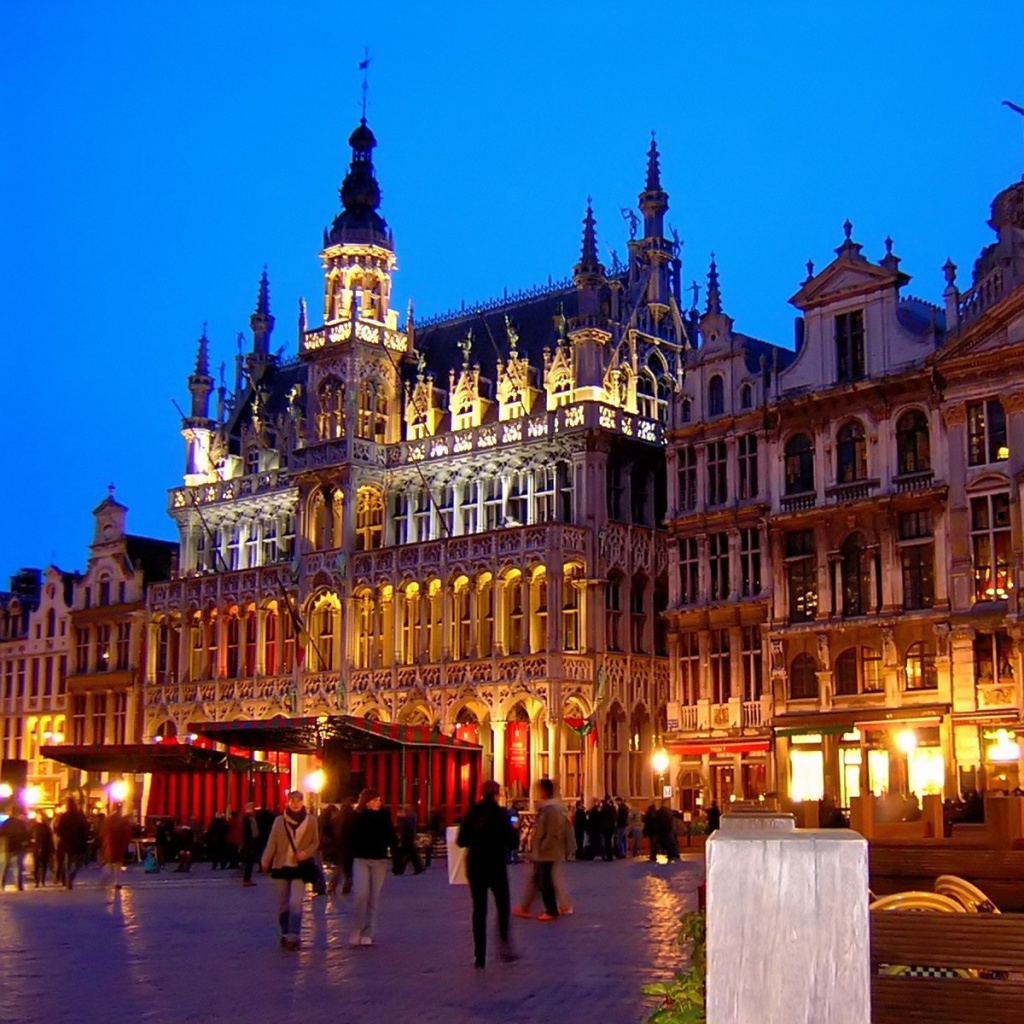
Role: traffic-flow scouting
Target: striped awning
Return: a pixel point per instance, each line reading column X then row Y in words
column 311, row 734
column 143, row 758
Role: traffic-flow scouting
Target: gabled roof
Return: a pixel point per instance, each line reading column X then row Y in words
column 846, row 277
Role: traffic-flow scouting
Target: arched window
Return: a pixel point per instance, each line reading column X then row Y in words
column 614, row 734
column 685, row 411
column 270, row 646
column 799, row 454
column 663, row 394
column 330, row 417
column 363, row 600
column 641, row 779
column 913, row 451
column 851, row 453
column 716, row 396
column 435, row 601
column 746, row 397
column 803, row 678
column 485, row 615
column 51, row 622
column 410, row 623
column 856, row 571
column 538, row 610
column 324, row 624
column 858, row 670
column 249, row 659
column 462, row 625
column 920, row 667
column 369, row 519
column 365, row 411
column 646, row 394
column 572, row 639
column 233, row 637
column 380, row 416
column 513, row 613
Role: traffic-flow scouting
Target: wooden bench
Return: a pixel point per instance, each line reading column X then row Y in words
column 930, row 940
column 899, row 867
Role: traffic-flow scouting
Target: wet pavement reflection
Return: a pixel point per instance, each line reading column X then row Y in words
column 197, row 948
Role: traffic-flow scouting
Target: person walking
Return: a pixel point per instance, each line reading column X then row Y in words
column 488, row 836
column 16, row 839
column 714, row 817
column 248, row 847
column 530, row 890
column 115, row 835
column 341, row 837
column 73, row 836
column 579, row 828
column 42, row 848
column 548, row 846
column 290, row 857
column 371, row 837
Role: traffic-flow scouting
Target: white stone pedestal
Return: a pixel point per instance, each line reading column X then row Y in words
column 787, row 926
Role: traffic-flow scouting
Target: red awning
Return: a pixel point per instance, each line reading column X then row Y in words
column 698, row 747
column 141, row 758
column 309, row 735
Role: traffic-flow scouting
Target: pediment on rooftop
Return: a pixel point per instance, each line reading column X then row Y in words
column 845, row 278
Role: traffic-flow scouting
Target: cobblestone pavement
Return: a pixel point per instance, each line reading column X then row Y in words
column 178, row 949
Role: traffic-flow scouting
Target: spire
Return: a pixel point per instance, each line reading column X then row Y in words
column 262, row 321
column 360, row 196
column 589, row 262
column 890, row 261
column 263, row 296
column 200, row 384
column 653, row 167
column 202, row 355
column 714, row 292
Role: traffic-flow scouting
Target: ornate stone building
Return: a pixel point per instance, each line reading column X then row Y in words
column 452, row 523
column 107, row 630
column 886, row 505
column 34, row 645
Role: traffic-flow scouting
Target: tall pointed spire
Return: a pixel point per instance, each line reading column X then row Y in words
column 200, row 383
column 202, row 355
column 714, row 291
column 653, row 167
column 588, row 249
column 262, row 321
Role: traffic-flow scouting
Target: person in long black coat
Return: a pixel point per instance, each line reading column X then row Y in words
column 488, row 836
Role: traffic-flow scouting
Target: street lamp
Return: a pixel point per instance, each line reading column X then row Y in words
column 659, row 761
column 314, row 782
column 117, row 791
column 906, row 741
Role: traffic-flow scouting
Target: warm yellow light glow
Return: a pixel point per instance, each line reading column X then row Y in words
column 5, row 791
column 807, row 775
column 117, row 791
column 30, row 796
column 906, row 741
column 659, row 760
column 1005, row 748
column 314, row 781
column 926, row 771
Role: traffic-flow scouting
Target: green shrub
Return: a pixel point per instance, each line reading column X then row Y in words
column 681, row 1000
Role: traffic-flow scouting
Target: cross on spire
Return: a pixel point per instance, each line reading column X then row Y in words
column 364, row 66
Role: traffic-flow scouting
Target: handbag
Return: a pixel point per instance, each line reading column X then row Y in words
column 307, row 871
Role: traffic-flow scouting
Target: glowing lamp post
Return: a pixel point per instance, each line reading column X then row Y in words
column 314, row 783
column 660, row 762
column 117, row 792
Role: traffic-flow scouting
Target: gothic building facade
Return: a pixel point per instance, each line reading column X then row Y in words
column 454, row 523
column 847, row 538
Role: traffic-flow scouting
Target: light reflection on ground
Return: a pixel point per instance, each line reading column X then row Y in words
column 197, row 949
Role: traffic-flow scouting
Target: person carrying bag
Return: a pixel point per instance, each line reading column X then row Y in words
column 290, row 858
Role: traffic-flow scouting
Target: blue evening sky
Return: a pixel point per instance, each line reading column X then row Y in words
column 155, row 156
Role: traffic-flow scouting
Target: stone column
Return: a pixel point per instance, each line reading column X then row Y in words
column 792, row 906
column 498, row 747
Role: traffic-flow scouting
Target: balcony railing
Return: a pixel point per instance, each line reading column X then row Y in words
column 913, row 481
column 751, row 714
column 799, row 502
column 856, row 490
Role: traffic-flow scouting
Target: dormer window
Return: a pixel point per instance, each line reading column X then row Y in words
column 849, row 332
column 716, row 396
column 252, row 459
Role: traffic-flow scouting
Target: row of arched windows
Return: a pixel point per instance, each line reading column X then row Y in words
column 509, row 614
column 859, row 670
column 913, row 453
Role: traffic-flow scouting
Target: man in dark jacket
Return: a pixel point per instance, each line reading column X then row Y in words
column 73, row 833
column 16, row 837
column 487, row 834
